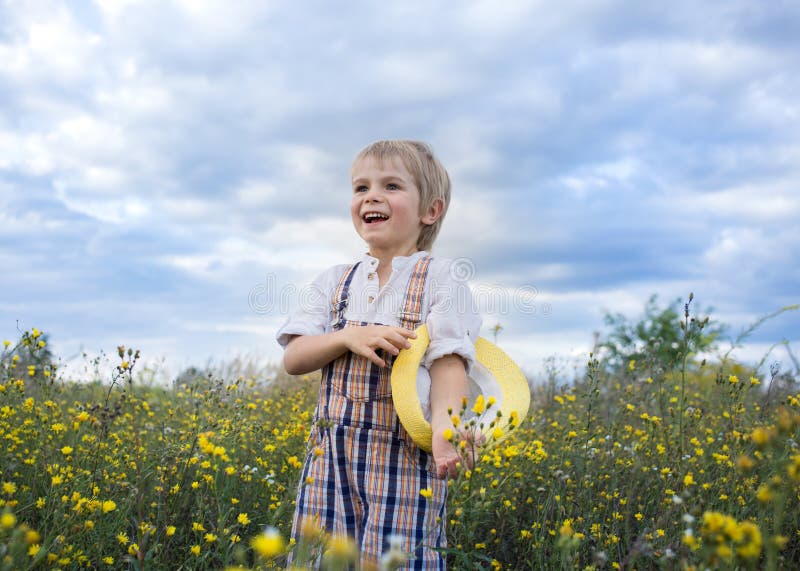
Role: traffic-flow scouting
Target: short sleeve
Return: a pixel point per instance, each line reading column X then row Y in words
column 312, row 316
column 453, row 319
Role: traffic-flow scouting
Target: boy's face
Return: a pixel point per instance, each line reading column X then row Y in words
column 385, row 206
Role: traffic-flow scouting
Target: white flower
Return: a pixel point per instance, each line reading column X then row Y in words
column 395, row 557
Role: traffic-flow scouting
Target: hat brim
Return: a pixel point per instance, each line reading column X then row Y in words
column 508, row 385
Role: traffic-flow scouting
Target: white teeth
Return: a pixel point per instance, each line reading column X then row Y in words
column 374, row 216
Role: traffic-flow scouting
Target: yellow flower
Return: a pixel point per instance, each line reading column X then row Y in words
column 195, row 549
column 480, row 405
column 268, row 544
column 243, row 519
column 33, row 550
column 210, row 538
column 108, row 506
column 8, row 520
column 66, row 450
column 745, row 463
column 122, row 537
column 32, row 536
column 341, row 548
column 426, row 493
column 108, row 560
column 448, row 434
column 171, row 530
column 760, row 436
column 751, row 541
column 780, row 541
column 733, row 379
column 631, row 364
column 566, row 527
column 9, row 488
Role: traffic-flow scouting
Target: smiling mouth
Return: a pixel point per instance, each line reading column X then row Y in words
column 374, row 217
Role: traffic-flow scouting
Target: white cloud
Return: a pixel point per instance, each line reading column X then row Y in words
column 254, row 193
column 109, row 210
column 752, row 203
column 47, row 45
column 591, row 147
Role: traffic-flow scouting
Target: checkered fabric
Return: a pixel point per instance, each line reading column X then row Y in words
column 366, row 483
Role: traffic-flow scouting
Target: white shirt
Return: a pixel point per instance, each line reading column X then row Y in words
column 447, row 308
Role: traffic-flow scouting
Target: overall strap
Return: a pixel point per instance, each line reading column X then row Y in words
column 338, row 305
column 409, row 317
column 340, row 295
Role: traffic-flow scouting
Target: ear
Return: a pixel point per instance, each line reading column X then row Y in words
column 434, row 212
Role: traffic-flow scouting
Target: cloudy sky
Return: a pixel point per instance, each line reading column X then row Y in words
column 172, row 173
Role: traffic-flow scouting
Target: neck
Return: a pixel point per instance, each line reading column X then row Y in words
column 385, row 257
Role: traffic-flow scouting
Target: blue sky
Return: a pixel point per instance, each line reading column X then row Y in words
column 162, row 163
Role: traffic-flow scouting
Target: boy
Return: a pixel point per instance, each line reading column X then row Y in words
column 363, row 473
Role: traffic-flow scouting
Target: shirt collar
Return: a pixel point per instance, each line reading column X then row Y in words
column 398, row 262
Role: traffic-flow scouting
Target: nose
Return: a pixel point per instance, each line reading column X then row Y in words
column 372, row 195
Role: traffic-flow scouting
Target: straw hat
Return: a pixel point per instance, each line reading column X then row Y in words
column 493, row 374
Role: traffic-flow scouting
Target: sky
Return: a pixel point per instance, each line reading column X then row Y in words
column 173, row 173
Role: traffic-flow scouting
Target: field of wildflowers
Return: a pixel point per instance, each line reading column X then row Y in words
column 642, row 462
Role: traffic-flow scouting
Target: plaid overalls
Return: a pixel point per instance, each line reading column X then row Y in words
column 366, row 483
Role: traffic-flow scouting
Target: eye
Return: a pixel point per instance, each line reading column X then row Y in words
column 360, row 188
column 392, row 186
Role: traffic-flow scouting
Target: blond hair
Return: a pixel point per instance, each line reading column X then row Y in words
column 429, row 175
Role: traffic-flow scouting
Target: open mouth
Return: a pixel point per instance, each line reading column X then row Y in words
column 374, row 217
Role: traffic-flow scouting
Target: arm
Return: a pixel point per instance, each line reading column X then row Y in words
column 306, row 353
column 448, row 387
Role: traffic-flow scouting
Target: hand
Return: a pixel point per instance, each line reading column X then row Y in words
column 445, row 457
column 365, row 341
column 448, row 459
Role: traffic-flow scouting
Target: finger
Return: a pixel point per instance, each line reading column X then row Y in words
column 387, row 345
column 452, row 468
column 373, row 357
column 399, row 341
column 406, row 333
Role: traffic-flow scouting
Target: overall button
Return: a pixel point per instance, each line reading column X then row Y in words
column 371, row 276
column 371, row 298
